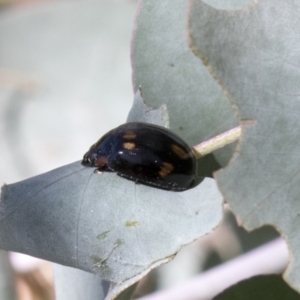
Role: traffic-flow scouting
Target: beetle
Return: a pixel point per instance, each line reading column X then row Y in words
column 147, row 154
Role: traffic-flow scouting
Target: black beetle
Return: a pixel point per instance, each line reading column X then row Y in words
column 147, row 154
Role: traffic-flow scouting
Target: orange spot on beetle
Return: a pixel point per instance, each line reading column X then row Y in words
column 179, row 151
column 165, row 169
column 129, row 135
column 129, row 145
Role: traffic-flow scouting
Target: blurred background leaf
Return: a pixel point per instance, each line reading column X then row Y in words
column 64, row 69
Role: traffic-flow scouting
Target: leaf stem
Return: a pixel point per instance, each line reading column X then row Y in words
column 217, row 142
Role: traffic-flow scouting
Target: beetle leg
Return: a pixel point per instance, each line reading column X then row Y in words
column 104, row 168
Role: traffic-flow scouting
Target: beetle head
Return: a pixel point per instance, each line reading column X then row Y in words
column 89, row 159
column 95, row 158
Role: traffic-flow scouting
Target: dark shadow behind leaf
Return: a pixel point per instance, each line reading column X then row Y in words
column 268, row 287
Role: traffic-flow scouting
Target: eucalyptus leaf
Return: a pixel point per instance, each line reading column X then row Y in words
column 141, row 111
column 169, row 73
column 76, row 284
column 229, row 4
column 7, row 289
column 254, row 54
column 103, row 223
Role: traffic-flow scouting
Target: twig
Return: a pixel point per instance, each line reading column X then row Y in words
column 217, row 142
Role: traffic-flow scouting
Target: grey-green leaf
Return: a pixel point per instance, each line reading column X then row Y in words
column 254, row 54
column 169, row 73
column 102, row 223
column 76, row 284
column 141, row 112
